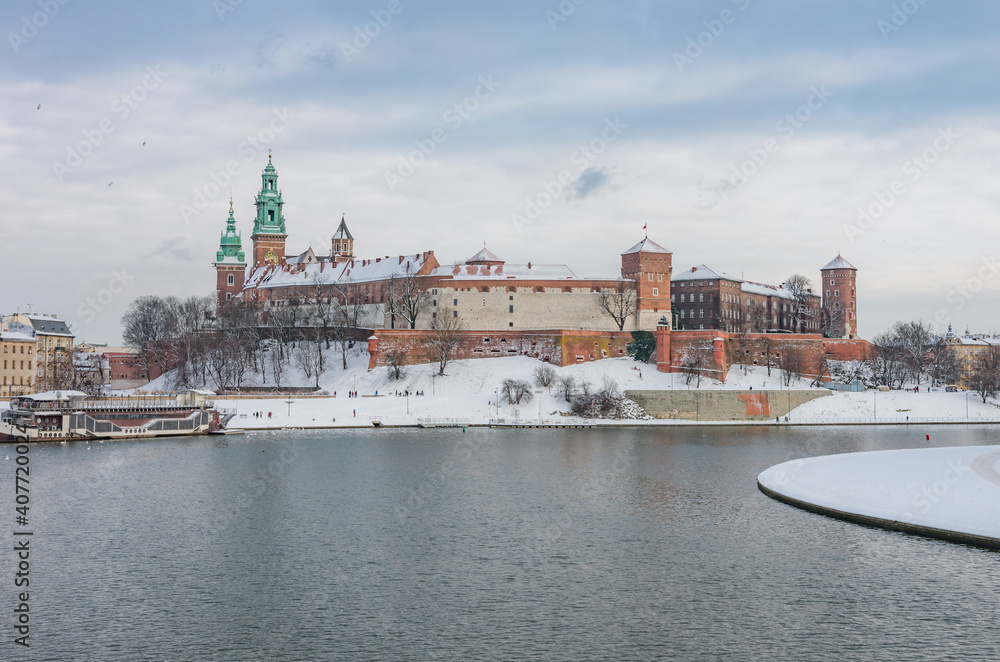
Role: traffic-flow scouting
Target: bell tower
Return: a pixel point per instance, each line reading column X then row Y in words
column 840, row 303
column 230, row 261
column 269, row 226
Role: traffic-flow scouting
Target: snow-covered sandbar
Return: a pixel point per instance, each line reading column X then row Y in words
column 949, row 493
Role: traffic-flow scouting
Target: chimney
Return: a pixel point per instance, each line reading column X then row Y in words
column 694, row 269
column 529, row 265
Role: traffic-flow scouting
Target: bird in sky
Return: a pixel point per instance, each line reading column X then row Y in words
column 39, row 107
column 110, row 183
column 143, row 142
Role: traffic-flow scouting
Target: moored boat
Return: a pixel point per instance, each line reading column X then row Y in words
column 72, row 415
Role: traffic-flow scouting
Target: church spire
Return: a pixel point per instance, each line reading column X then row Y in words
column 231, row 243
column 342, row 243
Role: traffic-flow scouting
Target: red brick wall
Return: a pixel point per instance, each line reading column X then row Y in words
column 559, row 347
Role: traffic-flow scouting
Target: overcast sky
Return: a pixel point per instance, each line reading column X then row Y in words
column 747, row 134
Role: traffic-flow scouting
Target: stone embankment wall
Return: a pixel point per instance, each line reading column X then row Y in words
column 721, row 405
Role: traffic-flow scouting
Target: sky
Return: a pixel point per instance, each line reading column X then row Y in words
column 760, row 138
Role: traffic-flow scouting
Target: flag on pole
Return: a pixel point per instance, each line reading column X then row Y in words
column 644, row 227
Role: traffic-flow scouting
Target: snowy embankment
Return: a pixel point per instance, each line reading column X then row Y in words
column 468, row 391
column 950, row 493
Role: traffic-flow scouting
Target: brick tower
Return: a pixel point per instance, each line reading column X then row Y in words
column 342, row 243
column 648, row 264
column 269, row 226
column 840, row 310
column 230, row 261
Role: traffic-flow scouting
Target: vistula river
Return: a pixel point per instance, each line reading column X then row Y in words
column 624, row 544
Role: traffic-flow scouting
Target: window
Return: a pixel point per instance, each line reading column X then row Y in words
column 510, row 324
column 510, row 298
column 231, row 279
column 455, row 302
column 836, row 293
column 511, row 308
column 673, row 297
column 701, row 297
column 828, row 293
column 650, row 278
column 831, row 281
column 701, row 313
column 454, row 313
column 434, row 302
column 229, row 295
column 656, row 291
column 682, row 297
column 659, row 278
column 683, row 316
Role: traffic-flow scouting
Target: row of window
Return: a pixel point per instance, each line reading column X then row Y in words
column 13, row 365
column 6, row 347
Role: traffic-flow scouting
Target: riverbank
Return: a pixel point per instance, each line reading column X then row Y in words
column 948, row 493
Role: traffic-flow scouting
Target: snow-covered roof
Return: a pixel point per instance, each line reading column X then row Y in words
column 55, row 396
column 485, row 255
column 49, row 326
column 839, row 263
column 702, row 272
column 766, row 290
column 974, row 340
column 328, row 274
column 307, row 257
column 508, row 271
column 15, row 335
column 647, row 245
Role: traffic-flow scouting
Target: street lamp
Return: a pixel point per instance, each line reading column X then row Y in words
column 289, row 402
column 433, row 377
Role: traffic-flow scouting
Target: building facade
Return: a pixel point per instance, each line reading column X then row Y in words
column 54, row 347
column 709, row 299
column 17, row 367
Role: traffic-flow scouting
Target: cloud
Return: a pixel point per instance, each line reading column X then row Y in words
column 176, row 249
column 590, row 181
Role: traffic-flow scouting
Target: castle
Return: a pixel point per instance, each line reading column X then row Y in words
column 489, row 294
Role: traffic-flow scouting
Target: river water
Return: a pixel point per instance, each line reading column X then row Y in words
column 625, row 544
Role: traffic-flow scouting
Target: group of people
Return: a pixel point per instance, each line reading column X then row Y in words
column 403, row 394
column 350, row 394
column 260, row 414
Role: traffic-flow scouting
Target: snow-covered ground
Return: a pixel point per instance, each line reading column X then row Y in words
column 954, row 489
column 468, row 391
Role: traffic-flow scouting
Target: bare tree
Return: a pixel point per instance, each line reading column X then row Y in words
column 833, row 322
column 406, row 297
column 884, row 358
column 800, row 288
column 986, row 373
column 792, row 362
column 395, row 360
column 945, row 368
column 447, row 337
column 544, row 376
column 619, row 301
column 147, row 325
column 756, row 318
column 515, row 391
column 567, row 386
column 915, row 342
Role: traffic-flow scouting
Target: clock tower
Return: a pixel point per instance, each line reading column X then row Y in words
column 269, row 226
